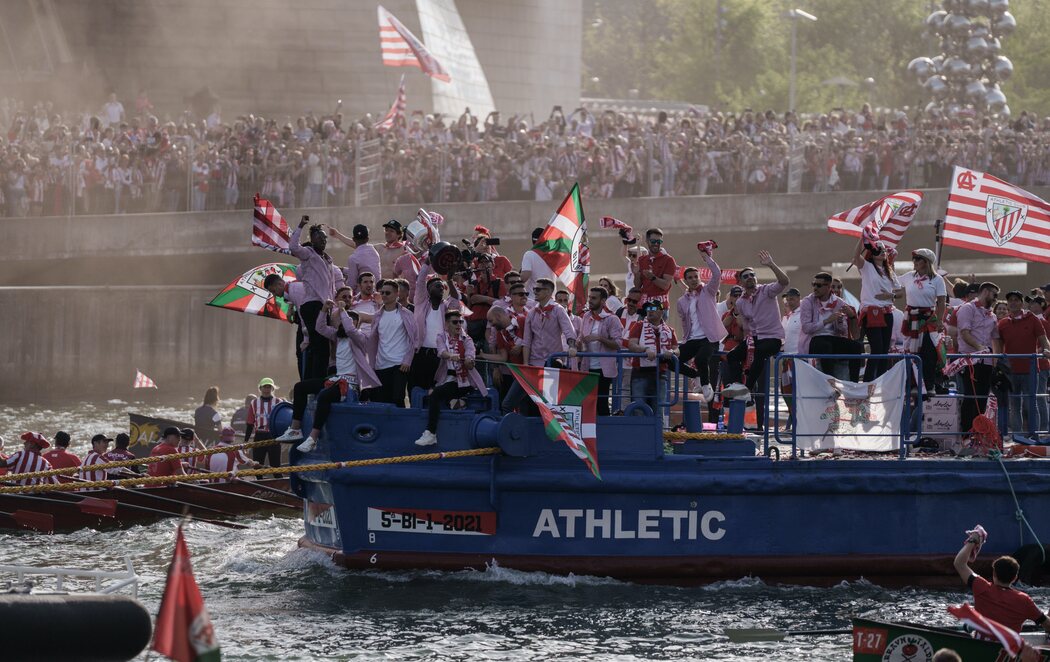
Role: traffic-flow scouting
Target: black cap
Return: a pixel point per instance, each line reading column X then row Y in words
column 101, row 437
column 536, row 232
column 973, row 288
column 792, row 292
column 62, row 438
column 1034, row 299
column 393, row 224
column 171, row 430
column 360, row 231
column 1017, row 294
column 186, row 433
column 736, row 289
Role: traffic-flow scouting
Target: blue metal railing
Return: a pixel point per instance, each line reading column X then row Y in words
column 616, row 392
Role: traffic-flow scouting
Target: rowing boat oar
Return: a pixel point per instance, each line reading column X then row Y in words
column 180, row 504
column 33, row 520
column 745, row 635
column 269, row 502
column 108, row 508
column 258, row 485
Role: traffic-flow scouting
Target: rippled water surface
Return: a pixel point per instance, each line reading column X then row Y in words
column 272, row 601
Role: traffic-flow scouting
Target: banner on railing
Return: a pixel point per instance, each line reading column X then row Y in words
column 833, row 413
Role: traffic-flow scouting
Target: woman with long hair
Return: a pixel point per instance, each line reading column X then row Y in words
column 206, row 419
column 878, row 287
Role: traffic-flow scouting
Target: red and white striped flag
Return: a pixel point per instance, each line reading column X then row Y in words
column 989, row 215
column 1011, row 641
column 401, row 48
column 890, row 215
column 269, row 229
column 397, row 110
column 142, row 381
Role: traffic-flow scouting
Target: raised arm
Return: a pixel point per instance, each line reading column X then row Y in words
column 322, row 326
column 716, row 275
column 858, row 254
column 766, row 259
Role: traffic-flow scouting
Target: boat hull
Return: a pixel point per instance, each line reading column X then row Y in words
column 875, row 641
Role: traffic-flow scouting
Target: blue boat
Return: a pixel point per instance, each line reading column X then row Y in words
column 713, row 509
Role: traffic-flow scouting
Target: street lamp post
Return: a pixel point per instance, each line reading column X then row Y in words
column 794, row 15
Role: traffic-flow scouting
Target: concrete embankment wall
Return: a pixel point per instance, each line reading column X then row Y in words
column 87, row 300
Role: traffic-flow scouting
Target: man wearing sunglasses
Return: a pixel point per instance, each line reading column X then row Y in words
column 828, row 325
column 758, row 312
column 392, row 343
column 654, row 273
column 456, row 375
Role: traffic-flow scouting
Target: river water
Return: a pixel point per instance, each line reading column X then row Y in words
column 272, row 601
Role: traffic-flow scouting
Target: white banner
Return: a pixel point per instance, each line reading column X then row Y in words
column 832, row 413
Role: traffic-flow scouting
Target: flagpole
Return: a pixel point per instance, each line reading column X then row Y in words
column 938, row 241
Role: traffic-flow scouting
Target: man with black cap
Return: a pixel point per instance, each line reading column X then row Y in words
column 1021, row 332
column 168, row 445
column 59, row 457
column 97, row 455
column 364, row 257
column 394, row 247
column 659, row 342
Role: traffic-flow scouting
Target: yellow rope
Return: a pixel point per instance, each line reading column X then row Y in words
column 136, row 462
column 701, row 435
column 164, row 480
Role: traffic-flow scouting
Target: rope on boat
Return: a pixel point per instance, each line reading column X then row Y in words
column 701, row 435
column 220, row 475
column 1022, row 521
column 136, row 462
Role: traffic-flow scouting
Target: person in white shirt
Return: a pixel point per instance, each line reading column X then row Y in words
column 926, row 296
column 532, row 265
column 792, row 322
column 878, row 287
column 113, row 111
column 392, row 344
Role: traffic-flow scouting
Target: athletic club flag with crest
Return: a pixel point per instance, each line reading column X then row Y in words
column 562, row 246
column 566, row 400
column 184, row 632
column 891, row 215
column 247, row 294
column 1011, row 641
column 401, row 48
column 989, row 215
column 269, row 229
column 142, row 381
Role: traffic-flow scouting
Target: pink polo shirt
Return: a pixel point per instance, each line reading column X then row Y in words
column 364, row 258
column 761, row 311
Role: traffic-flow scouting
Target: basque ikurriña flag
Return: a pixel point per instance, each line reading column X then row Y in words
column 269, row 229
column 563, row 247
column 891, row 215
column 989, row 215
column 566, row 400
column 247, row 294
column 184, row 631
column 1011, row 641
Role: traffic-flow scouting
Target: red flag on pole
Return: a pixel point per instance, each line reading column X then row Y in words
column 989, row 215
column 889, row 217
column 184, row 631
column 401, row 48
column 396, row 110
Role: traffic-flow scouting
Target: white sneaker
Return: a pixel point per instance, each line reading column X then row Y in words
column 307, row 445
column 428, row 438
column 735, row 390
column 707, row 392
column 291, row 434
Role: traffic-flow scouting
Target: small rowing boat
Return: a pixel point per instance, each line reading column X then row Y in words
column 875, row 641
column 116, row 507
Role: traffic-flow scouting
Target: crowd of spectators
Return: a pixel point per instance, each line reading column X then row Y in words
column 121, row 158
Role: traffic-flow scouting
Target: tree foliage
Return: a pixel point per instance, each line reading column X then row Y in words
column 675, row 49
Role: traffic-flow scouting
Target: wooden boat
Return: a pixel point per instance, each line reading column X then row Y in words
column 116, row 507
column 875, row 641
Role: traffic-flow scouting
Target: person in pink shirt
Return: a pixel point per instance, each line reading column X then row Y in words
column 392, row 345
column 828, row 324
column 456, row 375
column 758, row 312
column 319, row 285
column 364, row 257
column 702, row 328
column 547, row 331
column 600, row 331
column 978, row 332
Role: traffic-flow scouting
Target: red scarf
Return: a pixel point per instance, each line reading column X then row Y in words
column 458, row 349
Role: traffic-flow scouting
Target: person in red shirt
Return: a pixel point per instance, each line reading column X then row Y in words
column 168, row 446
column 1022, row 332
column 60, row 457
column 654, row 273
column 997, row 599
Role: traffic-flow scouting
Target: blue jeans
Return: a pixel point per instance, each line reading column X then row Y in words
column 646, row 387
column 1021, row 418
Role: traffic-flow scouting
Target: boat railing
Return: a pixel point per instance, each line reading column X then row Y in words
column 909, row 432
column 668, row 390
column 103, row 581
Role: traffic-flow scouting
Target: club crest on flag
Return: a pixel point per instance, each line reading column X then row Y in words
column 253, row 280
column 576, row 261
column 1004, row 217
column 573, row 419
